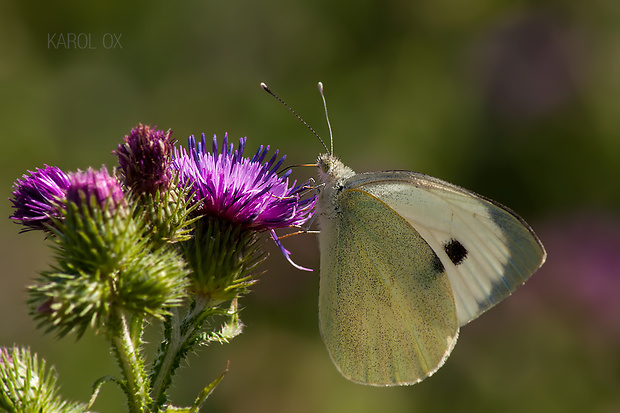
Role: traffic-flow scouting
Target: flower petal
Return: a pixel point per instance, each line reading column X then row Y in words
column 286, row 252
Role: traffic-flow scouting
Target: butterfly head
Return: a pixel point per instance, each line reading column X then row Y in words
column 331, row 169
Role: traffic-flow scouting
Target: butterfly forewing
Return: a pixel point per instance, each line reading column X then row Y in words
column 487, row 250
column 386, row 306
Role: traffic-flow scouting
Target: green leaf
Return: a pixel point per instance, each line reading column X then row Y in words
column 97, row 387
column 206, row 392
column 228, row 331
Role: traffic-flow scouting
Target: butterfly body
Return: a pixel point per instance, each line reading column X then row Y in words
column 406, row 259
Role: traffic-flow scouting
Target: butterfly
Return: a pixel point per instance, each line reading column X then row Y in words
column 406, row 260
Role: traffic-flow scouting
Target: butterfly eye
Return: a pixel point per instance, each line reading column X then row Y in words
column 326, row 164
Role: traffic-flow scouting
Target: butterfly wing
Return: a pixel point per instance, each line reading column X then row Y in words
column 487, row 250
column 386, row 307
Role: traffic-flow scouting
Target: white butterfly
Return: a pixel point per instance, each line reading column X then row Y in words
column 406, row 260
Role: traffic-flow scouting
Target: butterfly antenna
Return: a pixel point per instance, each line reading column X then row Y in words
column 266, row 89
column 329, row 125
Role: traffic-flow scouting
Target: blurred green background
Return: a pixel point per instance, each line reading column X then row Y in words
column 516, row 100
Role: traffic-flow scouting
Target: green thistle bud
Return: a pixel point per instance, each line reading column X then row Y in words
column 223, row 258
column 167, row 215
column 27, row 386
column 104, row 264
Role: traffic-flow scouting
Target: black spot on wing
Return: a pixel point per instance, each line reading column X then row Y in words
column 455, row 251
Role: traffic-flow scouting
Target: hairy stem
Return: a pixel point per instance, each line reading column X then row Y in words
column 132, row 366
column 180, row 332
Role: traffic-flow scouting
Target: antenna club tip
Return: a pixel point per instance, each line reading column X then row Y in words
column 264, row 85
column 320, row 85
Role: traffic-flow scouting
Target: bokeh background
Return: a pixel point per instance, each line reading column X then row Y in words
column 517, row 100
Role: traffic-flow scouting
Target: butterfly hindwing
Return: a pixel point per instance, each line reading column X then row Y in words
column 386, row 307
column 487, row 250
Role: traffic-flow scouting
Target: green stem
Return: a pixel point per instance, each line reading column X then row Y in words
column 158, row 384
column 132, row 367
column 180, row 332
column 136, row 329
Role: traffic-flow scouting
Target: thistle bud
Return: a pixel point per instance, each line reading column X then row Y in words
column 145, row 159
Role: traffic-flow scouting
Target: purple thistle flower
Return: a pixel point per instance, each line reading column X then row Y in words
column 245, row 191
column 145, row 159
column 38, row 197
column 105, row 188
